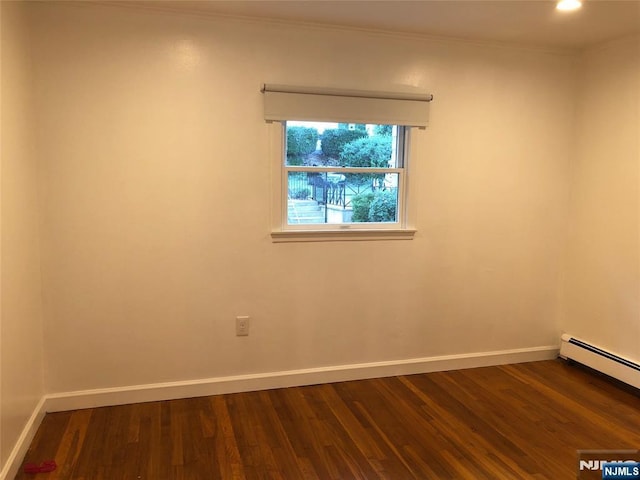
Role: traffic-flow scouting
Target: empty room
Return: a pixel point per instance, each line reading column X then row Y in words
column 320, row 240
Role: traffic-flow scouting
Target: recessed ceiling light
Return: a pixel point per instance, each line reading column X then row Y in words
column 569, row 5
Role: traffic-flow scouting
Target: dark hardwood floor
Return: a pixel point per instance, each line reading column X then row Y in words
column 510, row 422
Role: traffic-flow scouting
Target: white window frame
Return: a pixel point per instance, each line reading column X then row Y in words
column 281, row 231
column 284, row 103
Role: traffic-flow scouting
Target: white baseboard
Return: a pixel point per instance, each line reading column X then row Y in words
column 264, row 381
column 13, row 463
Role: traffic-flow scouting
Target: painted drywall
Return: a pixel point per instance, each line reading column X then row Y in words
column 156, row 214
column 601, row 293
column 21, row 335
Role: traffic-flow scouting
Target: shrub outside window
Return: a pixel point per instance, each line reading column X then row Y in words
column 339, row 176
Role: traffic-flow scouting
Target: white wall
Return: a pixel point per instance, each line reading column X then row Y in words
column 601, row 300
column 21, row 371
column 156, row 216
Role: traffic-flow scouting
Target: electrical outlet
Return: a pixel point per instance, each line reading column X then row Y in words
column 242, row 326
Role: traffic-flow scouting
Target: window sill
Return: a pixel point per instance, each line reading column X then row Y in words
column 340, row 235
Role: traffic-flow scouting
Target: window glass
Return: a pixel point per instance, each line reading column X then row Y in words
column 340, row 173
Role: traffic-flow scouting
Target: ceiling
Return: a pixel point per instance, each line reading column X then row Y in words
column 525, row 22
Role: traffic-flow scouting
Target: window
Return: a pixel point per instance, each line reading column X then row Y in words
column 343, row 175
column 335, row 175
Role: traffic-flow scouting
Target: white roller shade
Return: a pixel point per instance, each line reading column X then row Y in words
column 347, row 106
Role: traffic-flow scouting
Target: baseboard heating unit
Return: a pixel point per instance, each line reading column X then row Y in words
column 608, row 363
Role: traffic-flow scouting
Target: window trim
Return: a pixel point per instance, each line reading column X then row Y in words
column 285, row 236
column 281, row 232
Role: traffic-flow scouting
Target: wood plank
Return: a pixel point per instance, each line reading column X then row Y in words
column 510, row 422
